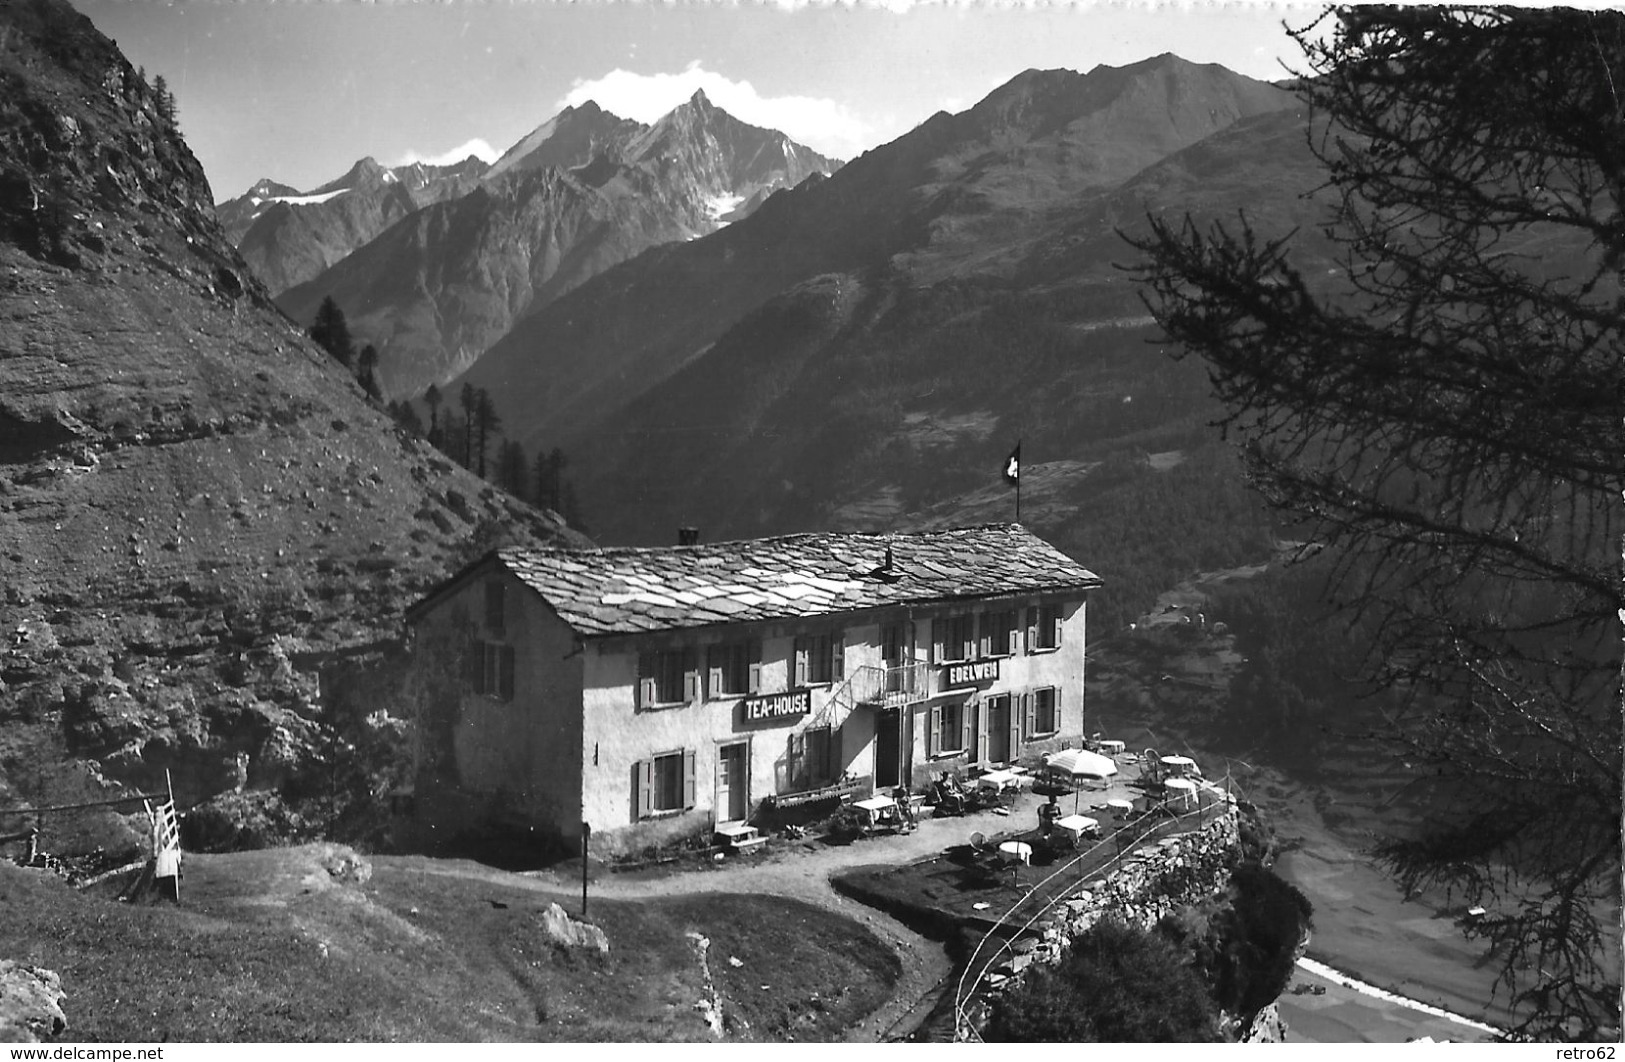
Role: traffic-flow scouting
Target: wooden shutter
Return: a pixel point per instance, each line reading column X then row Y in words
column 1032, row 628
column 1012, row 632
column 1013, row 719
column 753, row 675
column 934, row 744
column 688, row 778
column 691, row 675
column 795, row 759
column 1055, row 711
column 474, row 667
column 799, row 678
column 939, row 632
column 837, row 656
column 982, row 626
column 505, row 677
column 646, row 680
column 1055, row 620
column 970, row 728
column 643, row 782
column 1029, row 713
column 716, row 659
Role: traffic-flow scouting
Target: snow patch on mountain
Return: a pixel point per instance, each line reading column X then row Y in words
column 718, row 207
column 304, row 200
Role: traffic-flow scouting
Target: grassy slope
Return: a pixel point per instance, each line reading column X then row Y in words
column 269, row 947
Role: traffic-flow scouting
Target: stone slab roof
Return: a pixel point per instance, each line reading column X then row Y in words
column 629, row 590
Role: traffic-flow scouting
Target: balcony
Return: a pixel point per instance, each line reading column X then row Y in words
column 889, row 687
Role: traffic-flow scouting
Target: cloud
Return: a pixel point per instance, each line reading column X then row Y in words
column 820, row 123
column 446, row 158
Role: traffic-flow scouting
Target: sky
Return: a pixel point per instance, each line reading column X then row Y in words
column 298, row 90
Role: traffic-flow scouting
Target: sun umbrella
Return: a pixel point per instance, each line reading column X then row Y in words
column 1073, row 764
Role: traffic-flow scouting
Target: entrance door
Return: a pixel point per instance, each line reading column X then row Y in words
column 888, row 744
column 998, row 729
column 733, row 782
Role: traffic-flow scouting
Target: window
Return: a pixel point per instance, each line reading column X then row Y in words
column 665, row 783
column 894, row 644
column 494, row 606
column 999, row 633
column 954, row 638
column 811, row 759
column 490, row 670
column 667, row 677
column 818, row 659
column 947, row 730
column 1043, row 712
column 735, row 669
column 1043, row 628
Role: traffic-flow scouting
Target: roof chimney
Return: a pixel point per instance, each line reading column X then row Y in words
column 688, row 536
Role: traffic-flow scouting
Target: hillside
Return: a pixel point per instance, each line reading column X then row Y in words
column 575, row 196
column 818, row 367
column 198, row 509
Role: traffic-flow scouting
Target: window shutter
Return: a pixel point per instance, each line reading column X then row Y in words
column 688, row 778
column 1029, row 713
column 1013, row 719
column 505, row 689
column 646, row 681
column 837, row 656
column 800, row 678
column 474, row 666
column 938, row 635
column 643, row 778
column 1032, row 628
column 715, row 659
column 1055, row 629
column 934, row 745
column 691, row 675
column 1012, row 632
column 983, row 626
column 753, row 680
column 1055, row 709
column 975, row 730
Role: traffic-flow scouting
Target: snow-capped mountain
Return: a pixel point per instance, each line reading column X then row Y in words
column 289, row 236
column 580, row 193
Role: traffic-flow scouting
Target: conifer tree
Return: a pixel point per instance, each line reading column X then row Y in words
column 432, row 399
column 332, row 333
column 367, row 372
column 486, row 423
column 1445, row 410
column 469, row 400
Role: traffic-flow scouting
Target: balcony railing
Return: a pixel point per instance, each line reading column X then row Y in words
column 889, row 686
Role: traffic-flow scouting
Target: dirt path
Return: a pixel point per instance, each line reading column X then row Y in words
column 801, row 872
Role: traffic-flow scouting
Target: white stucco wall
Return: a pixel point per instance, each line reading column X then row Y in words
column 617, row 734
column 516, row 761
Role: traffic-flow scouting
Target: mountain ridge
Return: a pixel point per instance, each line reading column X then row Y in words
column 436, row 289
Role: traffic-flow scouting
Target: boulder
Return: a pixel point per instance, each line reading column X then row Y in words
column 563, row 932
column 30, row 1003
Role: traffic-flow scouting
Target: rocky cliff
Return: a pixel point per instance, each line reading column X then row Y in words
column 198, row 509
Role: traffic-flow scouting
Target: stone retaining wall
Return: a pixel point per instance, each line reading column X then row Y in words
column 1147, row 884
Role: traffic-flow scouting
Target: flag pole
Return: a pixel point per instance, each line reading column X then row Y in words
column 1019, row 470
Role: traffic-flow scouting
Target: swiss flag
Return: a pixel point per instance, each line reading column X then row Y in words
column 1012, row 465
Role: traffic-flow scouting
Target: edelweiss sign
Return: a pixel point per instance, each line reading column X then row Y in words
column 956, row 675
column 777, row 705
